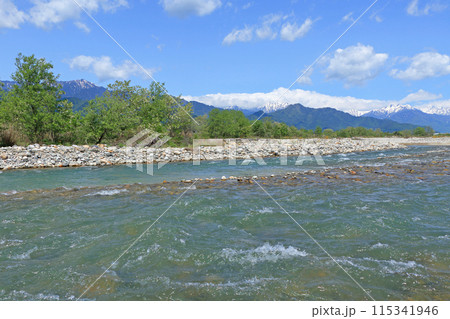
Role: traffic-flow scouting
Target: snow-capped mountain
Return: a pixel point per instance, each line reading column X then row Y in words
column 408, row 114
column 267, row 108
column 389, row 110
column 440, row 110
column 272, row 107
column 356, row 113
column 81, row 89
column 238, row 108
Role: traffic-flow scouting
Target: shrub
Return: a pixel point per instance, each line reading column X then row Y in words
column 9, row 136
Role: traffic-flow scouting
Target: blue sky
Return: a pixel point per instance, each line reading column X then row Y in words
column 244, row 52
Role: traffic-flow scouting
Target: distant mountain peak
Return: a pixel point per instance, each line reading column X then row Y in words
column 439, row 110
column 82, row 89
column 82, row 83
column 356, row 113
column 393, row 108
column 272, row 107
column 436, row 117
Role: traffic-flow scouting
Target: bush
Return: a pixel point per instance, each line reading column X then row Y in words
column 9, row 136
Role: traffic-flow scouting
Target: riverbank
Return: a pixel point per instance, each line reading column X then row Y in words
column 48, row 156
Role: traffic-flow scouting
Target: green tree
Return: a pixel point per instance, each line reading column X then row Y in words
column 318, row 131
column 228, row 124
column 113, row 115
column 155, row 106
column 201, row 130
column 180, row 124
column 429, row 130
column 258, row 129
column 293, row 131
column 419, row 131
column 328, row 132
column 35, row 103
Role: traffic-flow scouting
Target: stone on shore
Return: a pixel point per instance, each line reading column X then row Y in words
column 35, row 155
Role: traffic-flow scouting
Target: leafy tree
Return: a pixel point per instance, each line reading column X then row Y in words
column 429, row 130
column 3, row 111
column 328, row 132
column 318, row 131
column 268, row 127
column 124, row 109
column 112, row 115
column 258, row 129
column 154, row 106
column 200, row 130
column 228, row 124
column 35, row 103
column 293, row 132
column 180, row 124
column 419, row 131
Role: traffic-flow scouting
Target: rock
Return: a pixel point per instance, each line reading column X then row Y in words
column 36, row 155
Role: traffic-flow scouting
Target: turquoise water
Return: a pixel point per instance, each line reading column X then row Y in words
column 61, row 228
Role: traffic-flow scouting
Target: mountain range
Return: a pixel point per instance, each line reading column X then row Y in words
column 328, row 118
column 79, row 92
column 439, row 121
column 389, row 119
column 81, row 89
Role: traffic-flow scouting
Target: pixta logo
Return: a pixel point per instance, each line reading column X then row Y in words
column 141, row 149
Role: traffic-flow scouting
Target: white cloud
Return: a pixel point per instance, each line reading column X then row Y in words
column 424, row 65
column 10, row 16
column 355, row 64
column 247, row 5
column 445, row 104
column 184, row 8
column 242, row 35
column 82, row 26
column 46, row 14
column 292, row 32
column 312, row 99
column 432, row 6
column 348, row 17
column 265, row 31
column 268, row 28
column 306, row 78
column 104, row 68
column 419, row 96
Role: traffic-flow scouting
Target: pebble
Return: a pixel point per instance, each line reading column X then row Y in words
column 39, row 156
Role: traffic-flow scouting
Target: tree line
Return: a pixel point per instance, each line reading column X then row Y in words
column 34, row 111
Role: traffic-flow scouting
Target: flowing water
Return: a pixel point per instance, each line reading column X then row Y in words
column 60, row 229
